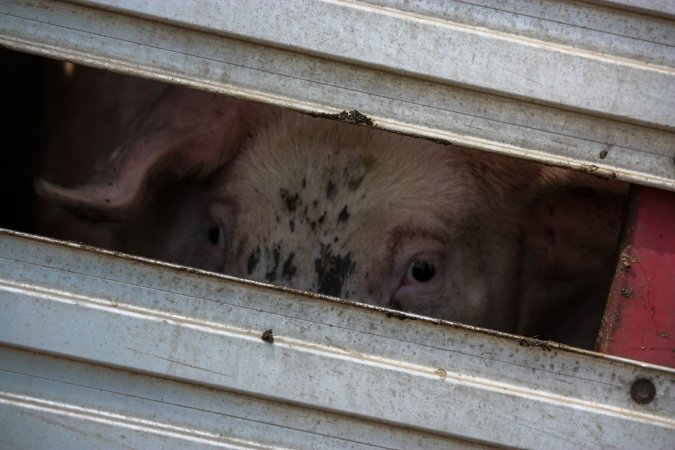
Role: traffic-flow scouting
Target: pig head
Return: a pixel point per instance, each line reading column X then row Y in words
column 280, row 197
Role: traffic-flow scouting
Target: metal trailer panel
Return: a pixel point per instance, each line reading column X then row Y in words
column 51, row 402
column 579, row 85
column 639, row 321
column 98, row 348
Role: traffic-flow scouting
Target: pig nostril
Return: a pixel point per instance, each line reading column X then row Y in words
column 214, row 234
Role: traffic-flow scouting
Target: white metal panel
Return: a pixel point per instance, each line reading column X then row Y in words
column 176, row 355
column 49, row 402
column 449, row 52
column 574, row 84
column 664, row 8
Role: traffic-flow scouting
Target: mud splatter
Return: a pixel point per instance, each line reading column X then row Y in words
column 599, row 172
column 291, row 201
column 531, row 342
column 356, row 171
column 353, row 117
column 268, row 336
column 332, row 270
column 331, row 190
column 253, row 259
column 626, row 292
column 271, row 274
column 344, row 215
column 396, row 315
column 288, row 270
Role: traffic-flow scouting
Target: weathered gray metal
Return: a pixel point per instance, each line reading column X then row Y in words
column 98, row 349
column 580, row 85
column 103, row 349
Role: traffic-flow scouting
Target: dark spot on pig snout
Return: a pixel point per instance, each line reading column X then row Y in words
column 291, row 201
column 332, row 270
column 356, row 171
column 344, row 215
column 288, row 271
column 331, row 190
column 354, row 183
column 271, row 274
column 253, row 259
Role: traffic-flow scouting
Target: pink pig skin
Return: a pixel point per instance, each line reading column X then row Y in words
column 280, row 197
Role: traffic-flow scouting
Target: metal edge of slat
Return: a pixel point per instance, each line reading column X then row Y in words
column 664, row 8
column 75, row 323
column 395, row 98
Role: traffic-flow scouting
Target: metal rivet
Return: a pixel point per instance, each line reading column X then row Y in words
column 643, row 391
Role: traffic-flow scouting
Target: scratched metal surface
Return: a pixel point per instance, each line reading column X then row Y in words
column 584, row 85
column 100, row 349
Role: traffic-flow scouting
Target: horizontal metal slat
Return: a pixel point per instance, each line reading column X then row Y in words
column 449, row 52
column 328, row 359
column 595, row 93
column 79, row 405
column 664, row 8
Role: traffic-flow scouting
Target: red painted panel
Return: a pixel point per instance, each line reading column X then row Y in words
column 639, row 320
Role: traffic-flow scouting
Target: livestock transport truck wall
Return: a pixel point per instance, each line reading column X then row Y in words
column 103, row 349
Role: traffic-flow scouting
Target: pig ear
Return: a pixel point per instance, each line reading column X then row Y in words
column 184, row 133
column 568, row 261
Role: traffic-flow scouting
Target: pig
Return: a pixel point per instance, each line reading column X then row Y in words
column 277, row 196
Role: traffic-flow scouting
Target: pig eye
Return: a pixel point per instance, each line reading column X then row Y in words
column 418, row 274
column 421, row 271
column 215, row 235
